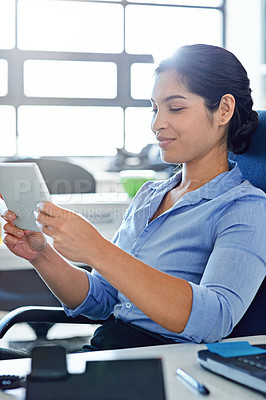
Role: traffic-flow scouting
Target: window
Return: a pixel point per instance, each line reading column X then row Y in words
column 3, row 78
column 67, row 130
column 81, row 79
column 76, row 75
column 70, row 26
column 178, row 26
column 7, row 130
column 7, row 24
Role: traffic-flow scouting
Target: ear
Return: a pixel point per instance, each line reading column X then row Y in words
column 226, row 108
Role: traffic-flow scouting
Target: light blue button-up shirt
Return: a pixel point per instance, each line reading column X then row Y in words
column 213, row 237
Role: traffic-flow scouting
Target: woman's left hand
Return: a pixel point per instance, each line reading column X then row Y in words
column 74, row 237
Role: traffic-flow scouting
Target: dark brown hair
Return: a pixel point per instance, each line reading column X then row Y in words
column 211, row 72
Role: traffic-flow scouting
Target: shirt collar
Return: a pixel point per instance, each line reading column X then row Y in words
column 223, row 182
column 216, row 187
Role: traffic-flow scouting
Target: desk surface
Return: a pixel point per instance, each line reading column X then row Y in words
column 173, row 356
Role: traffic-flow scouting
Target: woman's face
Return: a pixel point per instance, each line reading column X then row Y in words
column 185, row 129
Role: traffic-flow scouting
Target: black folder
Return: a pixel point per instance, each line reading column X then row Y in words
column 102, row 380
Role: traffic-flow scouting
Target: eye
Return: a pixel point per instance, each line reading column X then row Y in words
column 176, row 110
column 154, row 110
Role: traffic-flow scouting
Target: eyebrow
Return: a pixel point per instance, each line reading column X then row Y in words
column 174, row 96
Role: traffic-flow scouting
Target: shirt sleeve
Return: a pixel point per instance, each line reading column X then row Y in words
column 234, row 272
column 100, row 300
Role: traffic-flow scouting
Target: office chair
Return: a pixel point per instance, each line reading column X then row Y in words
column 253, row 167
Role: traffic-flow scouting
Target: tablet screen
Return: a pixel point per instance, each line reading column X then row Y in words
column 22, row 187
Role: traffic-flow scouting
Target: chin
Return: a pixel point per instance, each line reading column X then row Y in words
column 170, row 159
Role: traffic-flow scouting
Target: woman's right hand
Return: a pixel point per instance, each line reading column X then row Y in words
column 23, row 243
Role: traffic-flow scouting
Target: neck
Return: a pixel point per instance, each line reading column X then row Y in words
column 199, row 172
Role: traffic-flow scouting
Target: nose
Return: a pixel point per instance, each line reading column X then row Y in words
column 158, row 122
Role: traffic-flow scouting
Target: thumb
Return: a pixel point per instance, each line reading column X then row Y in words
column 50, row 209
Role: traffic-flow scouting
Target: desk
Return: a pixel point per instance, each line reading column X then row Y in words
column 173, row 356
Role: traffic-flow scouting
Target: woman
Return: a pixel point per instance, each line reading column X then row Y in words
column 190, row 254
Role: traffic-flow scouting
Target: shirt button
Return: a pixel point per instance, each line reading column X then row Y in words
column 128, row 305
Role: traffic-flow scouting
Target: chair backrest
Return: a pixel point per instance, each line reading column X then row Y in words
column 64, row 177
column 253, row 162
column 253, row 167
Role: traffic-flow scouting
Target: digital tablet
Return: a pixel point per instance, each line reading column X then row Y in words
column 22, row 187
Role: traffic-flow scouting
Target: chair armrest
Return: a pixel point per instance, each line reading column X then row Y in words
column 41, row 314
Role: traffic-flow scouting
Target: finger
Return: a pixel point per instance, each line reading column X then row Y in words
column 10, row 239
column 8, row 215
column 10, row 228
column 50, row 209
column 44, row 219
column 48, row 231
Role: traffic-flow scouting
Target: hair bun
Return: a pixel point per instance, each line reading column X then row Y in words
column 239, row 140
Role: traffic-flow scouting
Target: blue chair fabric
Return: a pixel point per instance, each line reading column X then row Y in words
column 253, row 162
column 253, row 167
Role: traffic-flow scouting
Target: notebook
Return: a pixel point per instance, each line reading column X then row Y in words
column 248, row 370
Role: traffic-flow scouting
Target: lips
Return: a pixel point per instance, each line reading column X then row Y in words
column 164, row 141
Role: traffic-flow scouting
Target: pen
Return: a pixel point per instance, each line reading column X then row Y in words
column 192, row 381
